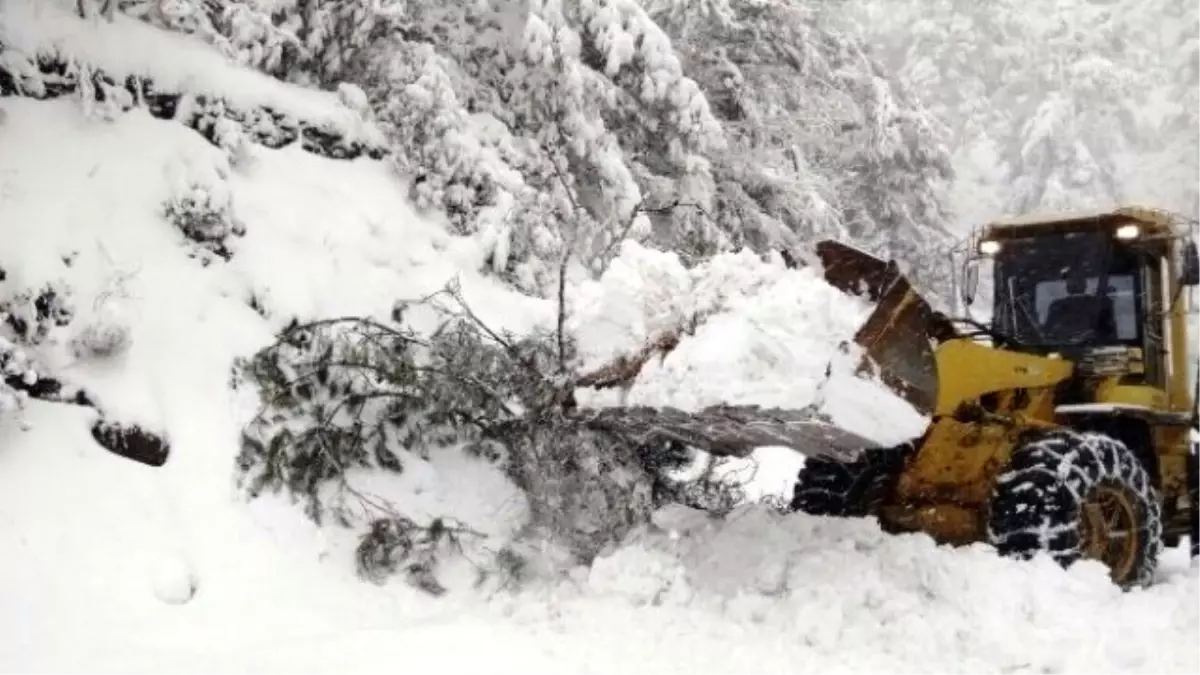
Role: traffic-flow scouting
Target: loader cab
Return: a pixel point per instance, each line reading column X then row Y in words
column 1107, row 284
column 1062, row 291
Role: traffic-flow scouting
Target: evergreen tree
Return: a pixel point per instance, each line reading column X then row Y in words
column 552, row 129
column 1078, row 103
column 823, row 142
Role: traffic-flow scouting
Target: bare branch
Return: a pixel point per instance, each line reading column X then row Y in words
column 624, row 369
column 506, row 344
column 562, row 312
column 641, row 210
column 568, row 249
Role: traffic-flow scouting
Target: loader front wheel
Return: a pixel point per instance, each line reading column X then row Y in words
column 828, row 487
column 1074, row 495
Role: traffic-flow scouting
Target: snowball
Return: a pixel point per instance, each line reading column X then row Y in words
column 104, row 334
column 174, row 581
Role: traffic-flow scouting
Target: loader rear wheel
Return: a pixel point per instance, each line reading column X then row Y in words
column 829, row 487
column 1076, row 495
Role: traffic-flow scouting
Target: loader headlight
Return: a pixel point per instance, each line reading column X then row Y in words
column 989, row 247
column 1127, row 232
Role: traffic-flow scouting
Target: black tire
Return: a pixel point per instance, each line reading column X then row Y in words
column 1057, row 484
column 855, row 489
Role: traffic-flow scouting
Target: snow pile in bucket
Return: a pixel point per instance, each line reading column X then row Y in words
column 754, row 332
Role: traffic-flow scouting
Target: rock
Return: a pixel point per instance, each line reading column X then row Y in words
column 131, row 442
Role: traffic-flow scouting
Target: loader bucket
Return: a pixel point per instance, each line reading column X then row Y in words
column 898, row 336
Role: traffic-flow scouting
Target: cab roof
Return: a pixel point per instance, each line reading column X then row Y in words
column 1153, row 223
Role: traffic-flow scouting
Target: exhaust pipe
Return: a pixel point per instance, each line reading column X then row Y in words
column 1193, row 479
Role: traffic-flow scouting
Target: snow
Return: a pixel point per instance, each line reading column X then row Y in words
column 766, row 335
column 126, row 543
column 1045, row 215
column 109, row 565
column 125, row 47
column 842, row 595
column 174, row 579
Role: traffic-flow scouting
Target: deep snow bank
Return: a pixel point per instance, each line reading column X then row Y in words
column 842, row 596
column 764, row 593
column 766, row 333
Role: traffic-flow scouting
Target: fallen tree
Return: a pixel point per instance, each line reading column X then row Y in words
column 345, row 394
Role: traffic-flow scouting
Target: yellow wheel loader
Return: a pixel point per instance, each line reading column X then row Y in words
column 1061, row 425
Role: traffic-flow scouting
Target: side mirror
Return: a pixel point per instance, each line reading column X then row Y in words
column 970, row 281
column 1189, row 275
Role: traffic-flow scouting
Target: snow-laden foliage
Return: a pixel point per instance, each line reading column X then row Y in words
column 1054, row 104
column 106, row 335
column 1163, row 166
column 553, row 130
column 31, row 315
column 15, row 371
column 824, row 142
column 342, row 396
column 521, row 114
column 204, row 215
column 30, row 318
column 307, row 41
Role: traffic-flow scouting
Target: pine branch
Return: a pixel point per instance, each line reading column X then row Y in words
column 507, row 345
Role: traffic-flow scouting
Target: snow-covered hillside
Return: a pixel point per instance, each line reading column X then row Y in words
column 92, row 541
column 107, row 565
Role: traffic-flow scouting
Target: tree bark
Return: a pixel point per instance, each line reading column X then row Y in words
column 733, row 430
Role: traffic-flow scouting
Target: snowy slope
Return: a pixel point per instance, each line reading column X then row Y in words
column 96, row 552
column 95, row 543
column 106, row 527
